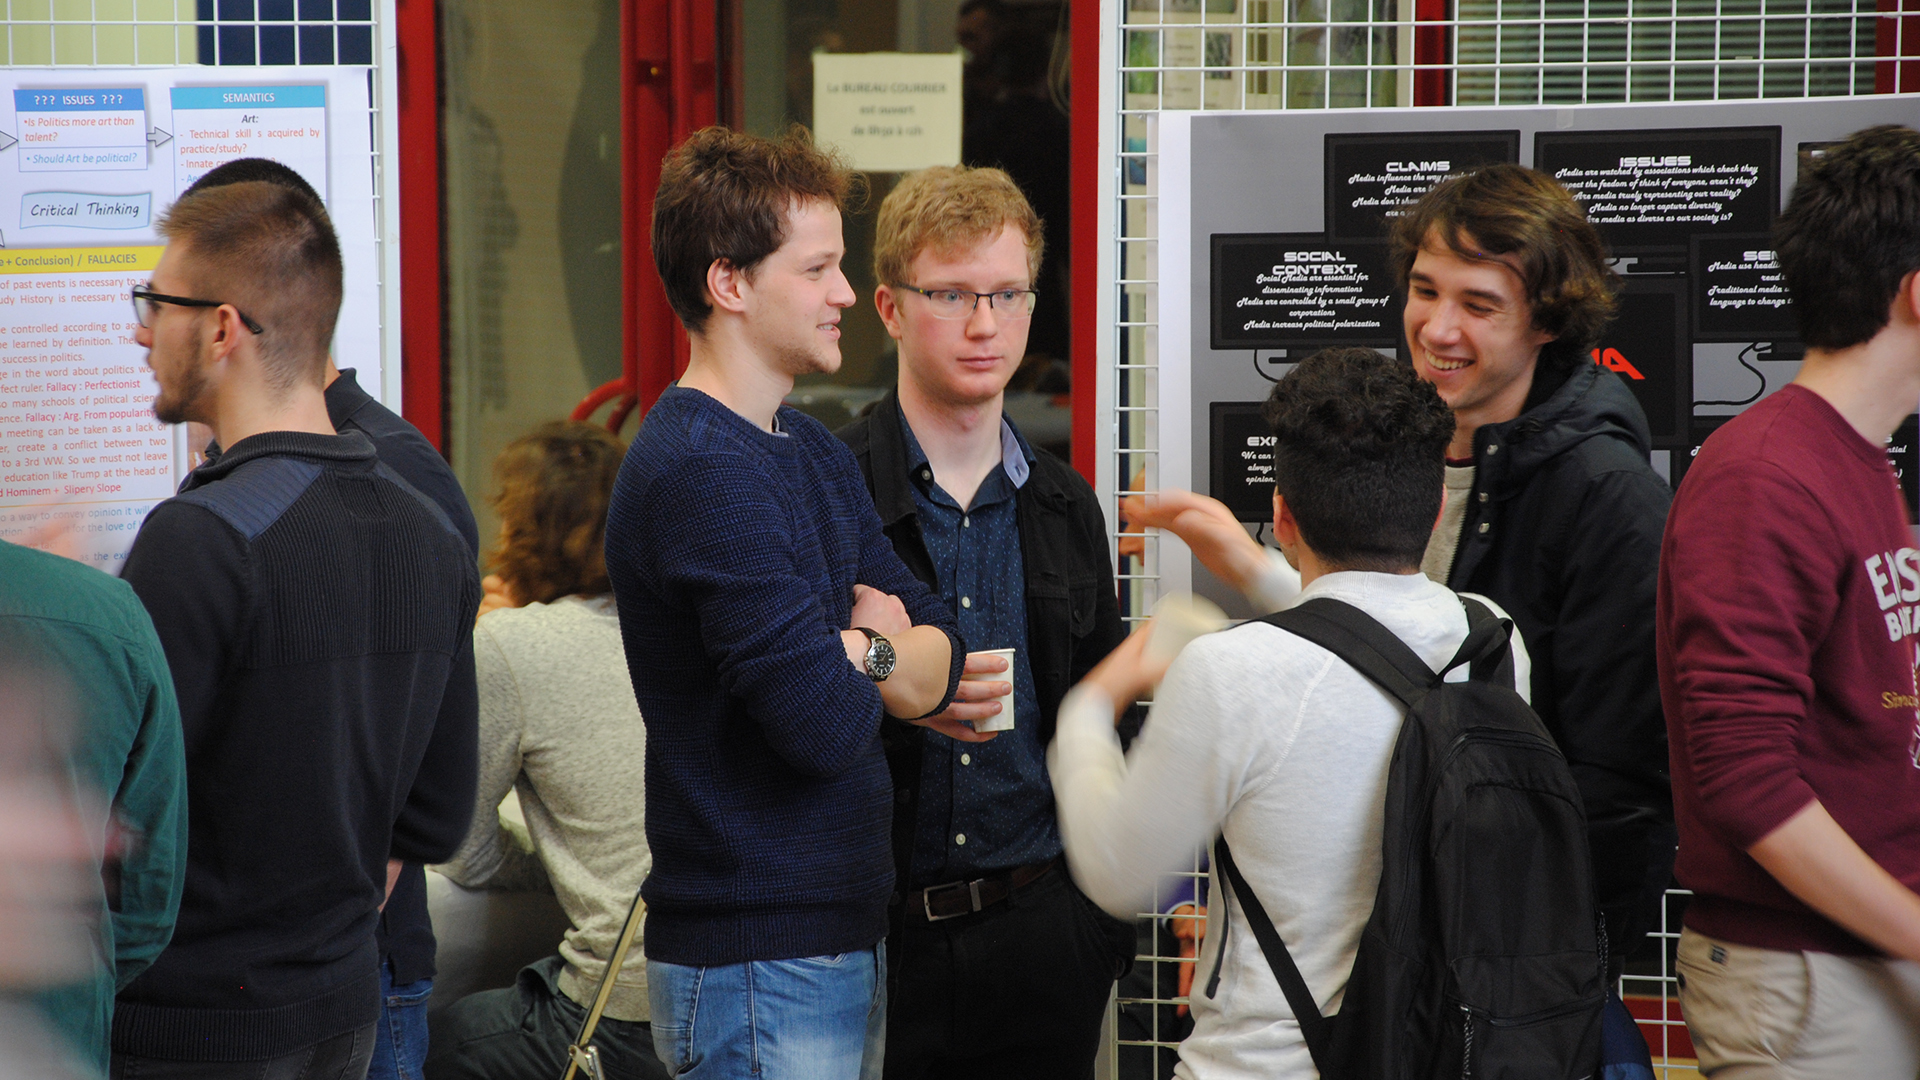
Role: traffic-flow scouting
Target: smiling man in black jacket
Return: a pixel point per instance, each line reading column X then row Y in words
column 316, row 613
column 997, row 965
column 1552, row 508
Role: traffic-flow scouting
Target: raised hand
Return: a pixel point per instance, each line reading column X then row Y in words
column 1206, row 526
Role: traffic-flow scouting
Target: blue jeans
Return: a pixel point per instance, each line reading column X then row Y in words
column 817, row 1018
column 400, row 1050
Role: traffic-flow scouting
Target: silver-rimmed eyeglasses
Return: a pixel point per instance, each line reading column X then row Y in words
column 961, row 303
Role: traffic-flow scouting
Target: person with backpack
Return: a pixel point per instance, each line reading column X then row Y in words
column 1287, row 753
column 1553, row 508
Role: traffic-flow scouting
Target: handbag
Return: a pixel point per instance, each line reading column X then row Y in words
column 582, row 1056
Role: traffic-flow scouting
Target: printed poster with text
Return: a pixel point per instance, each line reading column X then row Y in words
column 89, row 160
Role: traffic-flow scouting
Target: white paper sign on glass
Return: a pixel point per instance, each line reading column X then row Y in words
column 888, row 112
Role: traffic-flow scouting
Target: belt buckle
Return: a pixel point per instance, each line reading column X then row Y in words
column 973, row 894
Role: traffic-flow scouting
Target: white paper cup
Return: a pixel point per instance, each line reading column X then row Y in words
column 1003, row 720
column 1179, row 618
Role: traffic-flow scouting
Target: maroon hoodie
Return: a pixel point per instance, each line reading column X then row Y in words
column 1787, row 612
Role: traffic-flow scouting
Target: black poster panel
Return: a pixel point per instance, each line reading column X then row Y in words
column 1649, row 191
column 1242, row 468
column 1903, row 453
column 1700, row 427
column 1648, row 347
column 1372, row 178
column 1810, row 152
column 1905, row 458
column 1292, row 290
column 1738, row 291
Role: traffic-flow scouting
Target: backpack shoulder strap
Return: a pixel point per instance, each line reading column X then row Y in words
column 1488, row 648
column 1357, row 638
column 1313, row 1026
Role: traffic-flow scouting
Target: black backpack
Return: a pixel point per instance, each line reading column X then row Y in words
column 1484, row 955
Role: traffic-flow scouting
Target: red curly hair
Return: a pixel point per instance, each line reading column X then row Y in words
column 555, row 483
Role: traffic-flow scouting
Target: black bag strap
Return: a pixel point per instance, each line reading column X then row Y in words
column 1378, row 653
column 1488, row 647
column 1314, row 1028
column 1360, row 640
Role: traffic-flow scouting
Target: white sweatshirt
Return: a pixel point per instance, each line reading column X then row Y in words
column 1265, row 736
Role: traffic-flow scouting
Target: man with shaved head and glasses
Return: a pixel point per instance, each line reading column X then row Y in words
column 405, row 933
column 316, row 614
column 999, row 966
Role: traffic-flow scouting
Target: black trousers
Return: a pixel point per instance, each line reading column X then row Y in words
column 343, row 1057
column 522, row 1033
column 1017, row 990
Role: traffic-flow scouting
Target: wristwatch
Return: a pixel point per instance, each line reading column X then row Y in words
column 879, row 659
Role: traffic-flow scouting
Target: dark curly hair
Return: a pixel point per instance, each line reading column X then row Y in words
column 1850, row 234
column 1360, row 457
column 1510, row 209
column 725, row 196
column 555, row 483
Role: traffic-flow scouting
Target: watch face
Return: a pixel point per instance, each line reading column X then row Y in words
column 879, row 659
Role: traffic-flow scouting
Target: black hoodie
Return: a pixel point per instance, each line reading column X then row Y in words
column 1563, row 530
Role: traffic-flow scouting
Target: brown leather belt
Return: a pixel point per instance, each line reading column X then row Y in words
column 957, row 898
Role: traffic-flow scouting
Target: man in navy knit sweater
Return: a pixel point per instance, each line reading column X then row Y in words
column 768, row 625
column 316, row 614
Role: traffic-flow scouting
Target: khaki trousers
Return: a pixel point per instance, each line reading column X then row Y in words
column 1761, row 1014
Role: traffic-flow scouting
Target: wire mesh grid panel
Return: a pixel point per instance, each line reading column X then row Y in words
column 114, row 33
column 1179, row 55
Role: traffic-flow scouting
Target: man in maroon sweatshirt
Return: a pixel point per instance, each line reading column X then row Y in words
column 1789, row 601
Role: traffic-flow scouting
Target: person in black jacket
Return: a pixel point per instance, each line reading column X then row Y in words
column 405, row 933
column 1553, row 509
column 315, row 611
column 997, row 965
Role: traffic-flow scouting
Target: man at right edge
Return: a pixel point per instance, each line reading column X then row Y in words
column 1786, row 645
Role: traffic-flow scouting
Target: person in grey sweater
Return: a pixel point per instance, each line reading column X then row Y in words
column 559, row 725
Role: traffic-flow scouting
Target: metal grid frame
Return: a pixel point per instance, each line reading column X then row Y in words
column 150, row 33
column 112, row 35
column 1166, row 55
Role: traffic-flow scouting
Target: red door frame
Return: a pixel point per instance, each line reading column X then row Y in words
column 1896, row 34
column 1432, row 47
column 669, row 89
column 1083, row 242
column 423, row 398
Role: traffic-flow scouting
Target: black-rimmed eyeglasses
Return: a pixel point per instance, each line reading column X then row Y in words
column 961, row 303
column 144, row 299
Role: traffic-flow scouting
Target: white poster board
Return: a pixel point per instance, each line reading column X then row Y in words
column 88, row 160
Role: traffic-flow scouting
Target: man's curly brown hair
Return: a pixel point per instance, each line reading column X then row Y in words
column 554, row 486
column 1510, row 209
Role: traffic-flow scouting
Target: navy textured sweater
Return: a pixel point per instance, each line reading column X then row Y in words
column 317, row 616
column 733, row 554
